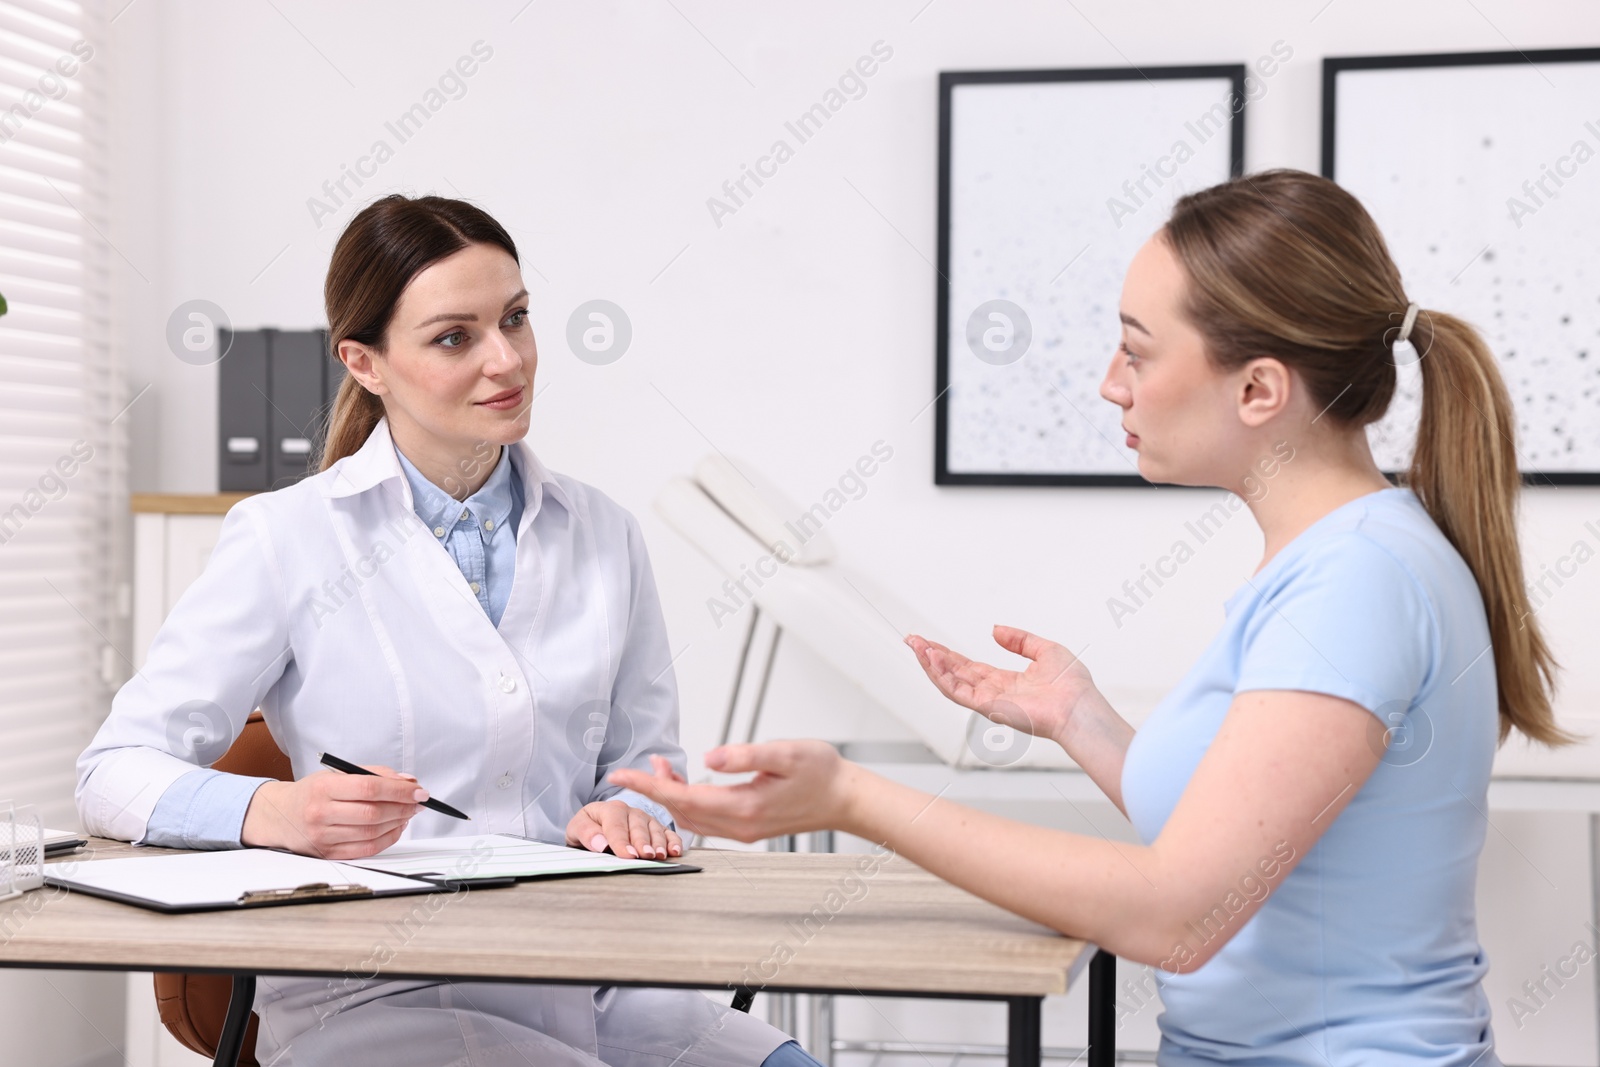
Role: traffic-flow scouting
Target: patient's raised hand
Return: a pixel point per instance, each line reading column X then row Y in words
column 1038, row 700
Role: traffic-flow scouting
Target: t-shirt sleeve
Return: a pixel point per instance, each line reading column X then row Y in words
column 1350, row 620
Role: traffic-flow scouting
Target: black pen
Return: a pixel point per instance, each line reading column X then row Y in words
column 350, row 768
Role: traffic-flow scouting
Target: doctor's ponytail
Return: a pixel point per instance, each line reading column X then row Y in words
column 1289, row 263
column 387, row 244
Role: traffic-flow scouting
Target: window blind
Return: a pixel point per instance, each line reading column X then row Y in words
column 63, row 497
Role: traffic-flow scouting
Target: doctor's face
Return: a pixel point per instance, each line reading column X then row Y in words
column 1177, row 408
column 460, row 356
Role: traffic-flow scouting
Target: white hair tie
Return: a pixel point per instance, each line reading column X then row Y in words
column 1405, row 327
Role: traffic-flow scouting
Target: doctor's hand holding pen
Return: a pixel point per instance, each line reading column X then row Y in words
column 333, row 815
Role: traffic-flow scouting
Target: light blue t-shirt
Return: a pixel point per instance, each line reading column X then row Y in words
column 1367, row 953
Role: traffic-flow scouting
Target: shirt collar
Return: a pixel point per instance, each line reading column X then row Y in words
column 490, row 505
column 377, row 462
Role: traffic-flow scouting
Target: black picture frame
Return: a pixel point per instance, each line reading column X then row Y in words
column 949, row 82
column 1334, row 66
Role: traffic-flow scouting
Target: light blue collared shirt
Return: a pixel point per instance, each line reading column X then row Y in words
column 480, row 533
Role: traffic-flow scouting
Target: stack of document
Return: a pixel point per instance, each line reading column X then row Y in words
column 58, row 841
column 457, row 859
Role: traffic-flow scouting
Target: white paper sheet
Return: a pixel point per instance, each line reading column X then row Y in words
column 492, row 856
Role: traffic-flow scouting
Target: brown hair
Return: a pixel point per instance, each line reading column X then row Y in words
column 387, row 244
column 1288, row 263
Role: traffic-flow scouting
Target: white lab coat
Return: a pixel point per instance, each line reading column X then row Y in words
column 332, row 607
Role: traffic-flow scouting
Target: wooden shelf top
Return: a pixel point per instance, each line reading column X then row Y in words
column 184, row 503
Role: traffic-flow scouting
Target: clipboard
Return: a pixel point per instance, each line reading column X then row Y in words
column 228, row 879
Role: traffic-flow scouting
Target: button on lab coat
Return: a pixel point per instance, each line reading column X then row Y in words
column 332, row 607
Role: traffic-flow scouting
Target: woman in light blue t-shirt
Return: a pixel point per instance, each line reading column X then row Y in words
column 1310, row 798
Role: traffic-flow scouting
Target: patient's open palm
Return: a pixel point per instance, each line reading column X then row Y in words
column 1037, row 700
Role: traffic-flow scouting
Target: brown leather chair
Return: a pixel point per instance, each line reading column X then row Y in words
column 193, row 1006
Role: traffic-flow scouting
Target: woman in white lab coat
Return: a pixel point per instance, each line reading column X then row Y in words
column 437, row 605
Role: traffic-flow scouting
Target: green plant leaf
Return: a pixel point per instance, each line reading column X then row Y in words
column 2, row 304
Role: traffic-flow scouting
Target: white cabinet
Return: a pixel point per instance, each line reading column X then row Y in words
column 169, row 552
column 172, row 540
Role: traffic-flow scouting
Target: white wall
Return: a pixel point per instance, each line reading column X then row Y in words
column 795, row 335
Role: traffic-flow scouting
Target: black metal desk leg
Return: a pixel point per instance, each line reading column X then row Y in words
column 1024, row 1046
column 233, row 1027
column 1102, row 1009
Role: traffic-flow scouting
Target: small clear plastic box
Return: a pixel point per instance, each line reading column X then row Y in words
column 21, row 849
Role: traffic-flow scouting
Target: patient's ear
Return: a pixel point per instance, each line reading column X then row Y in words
column 1265, row 388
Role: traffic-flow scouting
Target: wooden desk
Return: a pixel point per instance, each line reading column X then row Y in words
column 810, row 923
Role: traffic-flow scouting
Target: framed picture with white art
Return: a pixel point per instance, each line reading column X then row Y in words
column 1482, row 170
column 1049, row 182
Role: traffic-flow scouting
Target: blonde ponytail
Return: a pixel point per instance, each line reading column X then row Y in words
column 1464, row 471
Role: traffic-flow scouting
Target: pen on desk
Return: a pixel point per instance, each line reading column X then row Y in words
column 350, row 768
